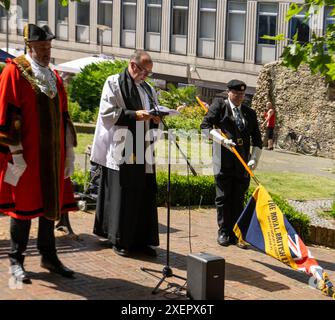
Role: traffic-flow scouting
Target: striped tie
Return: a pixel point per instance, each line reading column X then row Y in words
column 239, row 120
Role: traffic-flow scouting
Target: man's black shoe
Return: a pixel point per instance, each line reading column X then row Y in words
column 233, row 239
column 54, row 265
column 121, row 252
column 151, row 252
column 223, row 240
column 19, row 274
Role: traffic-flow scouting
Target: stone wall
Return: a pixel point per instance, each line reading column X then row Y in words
column 300, row 99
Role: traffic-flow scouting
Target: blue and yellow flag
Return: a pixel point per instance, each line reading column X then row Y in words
column 263, row 225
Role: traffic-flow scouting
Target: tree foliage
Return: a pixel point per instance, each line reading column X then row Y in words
column 86, row 86
column 319, row 52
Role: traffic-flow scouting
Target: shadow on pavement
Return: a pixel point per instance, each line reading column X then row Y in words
column 290, row 273
column 327, row 265
column 252, row 278
column 94, row 288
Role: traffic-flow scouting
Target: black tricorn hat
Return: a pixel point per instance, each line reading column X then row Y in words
column 32, row 32
column 236, row 85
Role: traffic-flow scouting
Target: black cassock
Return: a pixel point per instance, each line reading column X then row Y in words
column 126, row 212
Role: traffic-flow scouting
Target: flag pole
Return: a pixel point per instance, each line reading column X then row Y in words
column 252, row 175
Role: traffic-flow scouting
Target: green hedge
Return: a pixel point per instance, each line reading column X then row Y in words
column 202, row 191
column 202, row 188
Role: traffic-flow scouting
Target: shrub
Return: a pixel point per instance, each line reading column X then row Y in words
column 78, row 115
column 201, row 190
column 86, row 86
column 79, row 178
column 190, row 118
column 174, row 97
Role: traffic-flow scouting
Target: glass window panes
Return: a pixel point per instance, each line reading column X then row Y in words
column 42, row 10
column 207, row 19
column 23, row 12
column 129, row 15
column 154, row 15
column 105, row 12
column 62, row 13
column 83, row 13
column 328, row 18
column 22, row 15
column 267, row 22
column 2, row 12
column 236, row 21
column 180, row 17
column 299, row 24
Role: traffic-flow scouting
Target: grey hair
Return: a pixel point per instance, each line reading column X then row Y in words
column 138, row 54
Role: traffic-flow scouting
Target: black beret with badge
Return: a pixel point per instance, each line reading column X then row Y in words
column 32, row 32
column 237, row 85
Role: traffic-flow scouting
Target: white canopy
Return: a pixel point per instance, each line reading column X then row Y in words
column 75, row 66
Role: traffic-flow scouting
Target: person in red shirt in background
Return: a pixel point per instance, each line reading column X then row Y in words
column 269, row 123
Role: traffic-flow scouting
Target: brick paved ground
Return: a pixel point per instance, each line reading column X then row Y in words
column 101, row 274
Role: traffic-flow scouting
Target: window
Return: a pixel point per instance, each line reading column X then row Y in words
column 179, row 17
column 129, row 15
column 42, row 12
column 153, row 25
column 62, row 16
column 207, row 23
column 267, row 22
column 236, row 30
column 328, row 18
column 3, row 19
column 154, row 15
column 83, row 21
column 207, row 19
column 83, row 13
column 105, row 18
column 105, row 12
column 299, row 24
column 266, row 25
column 22, row 15
column 236, row 21
column 128, row 27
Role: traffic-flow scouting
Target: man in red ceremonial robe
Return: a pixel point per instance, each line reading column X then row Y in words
column 36, row 151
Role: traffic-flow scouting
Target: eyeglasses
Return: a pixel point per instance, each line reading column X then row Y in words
column 144, row 71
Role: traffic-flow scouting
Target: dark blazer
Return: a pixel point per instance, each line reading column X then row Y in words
column 220, row 115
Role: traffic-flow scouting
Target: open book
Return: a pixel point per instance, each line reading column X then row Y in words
column 164, row 111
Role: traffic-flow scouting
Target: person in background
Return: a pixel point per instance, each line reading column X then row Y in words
column 239, row 123
column 37, row 139
column 269, row 124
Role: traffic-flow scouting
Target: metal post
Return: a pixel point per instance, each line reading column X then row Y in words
column 7, row 30
column 101, row 40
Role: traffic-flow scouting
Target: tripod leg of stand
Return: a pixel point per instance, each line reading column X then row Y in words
column 155, row 290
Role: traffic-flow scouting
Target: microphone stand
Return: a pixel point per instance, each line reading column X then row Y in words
column 167, row 271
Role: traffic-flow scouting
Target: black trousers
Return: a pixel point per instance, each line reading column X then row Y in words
column 19, row 232
column 230, row 192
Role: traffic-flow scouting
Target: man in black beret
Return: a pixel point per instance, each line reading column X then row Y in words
column 239, row 123
column 36, row 152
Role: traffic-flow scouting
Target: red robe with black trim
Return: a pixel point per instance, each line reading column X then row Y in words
column 39, row 123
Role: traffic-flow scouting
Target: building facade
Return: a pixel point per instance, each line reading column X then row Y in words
column 205, row 42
